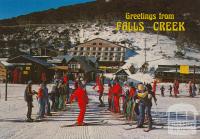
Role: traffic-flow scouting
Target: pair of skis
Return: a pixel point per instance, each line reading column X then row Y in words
column 102, row 122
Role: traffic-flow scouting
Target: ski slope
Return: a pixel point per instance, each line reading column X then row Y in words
column 13, row 114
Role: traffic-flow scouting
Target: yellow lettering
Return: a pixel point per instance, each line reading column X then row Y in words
column 181, row 26
column 118, row 26
column 155, row 26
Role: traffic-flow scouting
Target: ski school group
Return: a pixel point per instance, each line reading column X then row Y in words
column 136, row 99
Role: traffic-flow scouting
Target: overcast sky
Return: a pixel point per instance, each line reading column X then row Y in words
column 12, row 8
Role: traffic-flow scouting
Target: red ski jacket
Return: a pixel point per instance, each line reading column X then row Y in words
column 81, row 96
column 40, row 93
column 132, row 92
column 117, row 90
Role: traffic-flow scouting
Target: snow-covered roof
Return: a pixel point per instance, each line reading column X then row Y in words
column 29, row 58
column 6, row 64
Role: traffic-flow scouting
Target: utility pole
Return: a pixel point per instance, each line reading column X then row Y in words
column 145, row 50
column 157, row 36
column 158, row 32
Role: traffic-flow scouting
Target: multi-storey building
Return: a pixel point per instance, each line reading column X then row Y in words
column 107, row 53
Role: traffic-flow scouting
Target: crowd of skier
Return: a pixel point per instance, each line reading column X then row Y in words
column 132, row 100
column 136, row 100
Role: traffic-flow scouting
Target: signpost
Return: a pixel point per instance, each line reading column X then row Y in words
column 194, row 74
column 184, row 69
column 6, row 86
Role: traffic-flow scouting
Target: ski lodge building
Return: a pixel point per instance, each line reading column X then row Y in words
column 77, row 66
column 107, row 53
column 183, row 73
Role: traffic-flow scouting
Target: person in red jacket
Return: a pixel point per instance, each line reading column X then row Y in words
column 82, row 98
column 41, row 101
column 176, row 88
column 132, row 92
column 100, row 89
column 117, row 91
column 43, row 77
column 154, row 87
column 65, row 79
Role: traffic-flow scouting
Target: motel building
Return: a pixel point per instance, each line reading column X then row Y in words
column 107, row 53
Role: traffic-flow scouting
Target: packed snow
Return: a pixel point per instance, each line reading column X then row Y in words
column 13, row 115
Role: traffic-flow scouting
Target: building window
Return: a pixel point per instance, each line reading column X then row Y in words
column 75, row 53
column 81, row 53
column 106, row 54
column 82, row 48
column 118, row 49
column 93, row 54
column 94, row 48
column 88, row 48
column 118, row 58
column 94, row 43
column 100, row 49
column 106, row 49
column 76, row 48
column 100, row 43
column 99, row 54
column 112, row 49
column 74, row 66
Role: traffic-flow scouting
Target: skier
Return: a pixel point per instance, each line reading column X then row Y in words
column 82, row 98
column 194, row 89
column 52, row 95
column 117, row 91
column 190, row 88
column 46, row 100
column 43, row 77
column 109, row 96
column 67, row 92
column 41, row 102
column 65, row 79
column 28, row 96
column 141, row 94
column 66, row 82
column 144, row 99
column 100, row 90
column 154, row 87
column 162, row 89
column 176, row 87
column 62, row 97
column 170, row 90
column 125, row 96
column 57, row 95
column 129, row 109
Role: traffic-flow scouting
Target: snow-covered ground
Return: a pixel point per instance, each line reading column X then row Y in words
column 13, row 111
